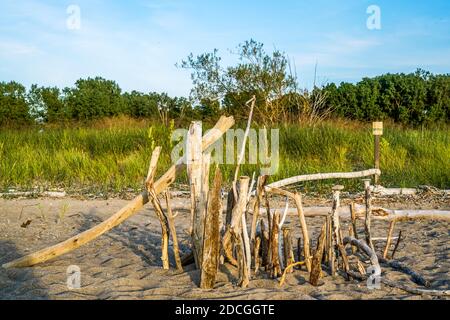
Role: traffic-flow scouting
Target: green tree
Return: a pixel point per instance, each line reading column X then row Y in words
column 14, row 109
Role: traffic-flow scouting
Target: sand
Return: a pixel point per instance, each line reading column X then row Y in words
column 125, row 263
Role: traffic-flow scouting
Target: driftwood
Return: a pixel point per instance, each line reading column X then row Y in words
column 288, row 269
column 316, row 265
column 275, row 270
column 324, row 176
column 397, row 244
column 129, row 210
column 256, row 249
column 194, row 159
column 288, row 252
column 158, row 209
column 265, row 248
column 211, row 238
column 377, row 213
column 164, row 228
column 389, row 239
column 400, row 266
column 368, row 218
column 364, row 248
column 173, row 233
column 298, row 202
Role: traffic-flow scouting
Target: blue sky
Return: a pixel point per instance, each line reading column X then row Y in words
column 138, row 42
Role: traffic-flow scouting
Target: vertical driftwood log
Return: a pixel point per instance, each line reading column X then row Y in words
column 337, row 234
column 389, row 239
column 288, row 251
column 194, row 158
column 173, row 232
column 236, row 231
column 316, row 265
column 275, row 263
column 330, row 248
column 368, row 218
column 301, row 215
column 211, row 238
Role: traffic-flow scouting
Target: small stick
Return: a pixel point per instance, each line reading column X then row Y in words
column 288, row 268
column 389, row 239
column 396, row 245
column 173, row 232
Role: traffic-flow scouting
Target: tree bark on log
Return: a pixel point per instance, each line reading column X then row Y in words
column 123, row 214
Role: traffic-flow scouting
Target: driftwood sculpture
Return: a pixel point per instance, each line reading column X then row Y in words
column 267, row 243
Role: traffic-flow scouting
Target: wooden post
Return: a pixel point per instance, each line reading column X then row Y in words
column 338, row 244
column 377, row 132
column 211, row 238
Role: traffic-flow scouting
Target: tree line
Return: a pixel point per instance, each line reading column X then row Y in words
column 413, row 99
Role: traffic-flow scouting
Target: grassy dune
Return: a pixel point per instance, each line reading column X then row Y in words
column 113, row 155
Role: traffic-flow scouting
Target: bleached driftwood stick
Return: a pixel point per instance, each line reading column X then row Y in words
column 123, row 214
column 211, row 238
column 194, row 157
column 324, row 176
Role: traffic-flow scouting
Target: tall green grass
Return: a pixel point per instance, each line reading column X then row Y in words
column 115, row 158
